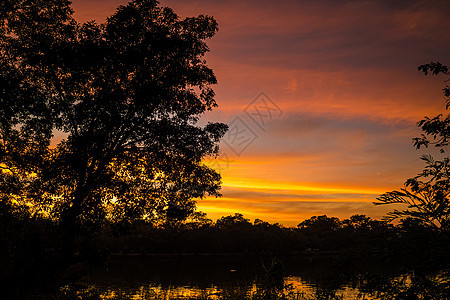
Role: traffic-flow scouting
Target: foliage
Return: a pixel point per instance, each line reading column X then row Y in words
column 320, row 223
column 427, row 194
column 126, row 96
column 237, row 220
column 362, row 223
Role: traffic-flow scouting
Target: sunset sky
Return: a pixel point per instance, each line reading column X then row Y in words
column 321, row 97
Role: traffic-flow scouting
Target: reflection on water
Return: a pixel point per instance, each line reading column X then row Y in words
column 295, row 288
column 253, row 278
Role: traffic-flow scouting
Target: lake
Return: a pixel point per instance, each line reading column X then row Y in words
column 251, row 277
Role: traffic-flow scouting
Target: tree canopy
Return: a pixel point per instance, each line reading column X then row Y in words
column 427, row 194
column 125, row 96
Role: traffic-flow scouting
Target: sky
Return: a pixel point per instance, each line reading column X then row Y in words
column 321, row 97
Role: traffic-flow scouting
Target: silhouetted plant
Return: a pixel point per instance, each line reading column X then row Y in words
column 427, row 194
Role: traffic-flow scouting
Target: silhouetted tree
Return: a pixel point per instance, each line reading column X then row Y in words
column 198, row 220
column 320, row 231
column 427, row 194
column 235, row 221
column 362, row 223
column 320, row 224
column 126, row 97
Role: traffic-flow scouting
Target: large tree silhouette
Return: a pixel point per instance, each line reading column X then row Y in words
column 427, row 195
column 125, row 96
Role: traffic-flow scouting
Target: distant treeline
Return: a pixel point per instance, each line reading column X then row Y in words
column 33, row 245
column 236, row 234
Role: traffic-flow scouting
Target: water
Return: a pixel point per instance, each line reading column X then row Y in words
column 256, row 277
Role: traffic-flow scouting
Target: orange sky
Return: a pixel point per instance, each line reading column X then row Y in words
column 342, row 95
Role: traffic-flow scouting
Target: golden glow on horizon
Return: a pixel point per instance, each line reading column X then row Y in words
column 292, row 187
